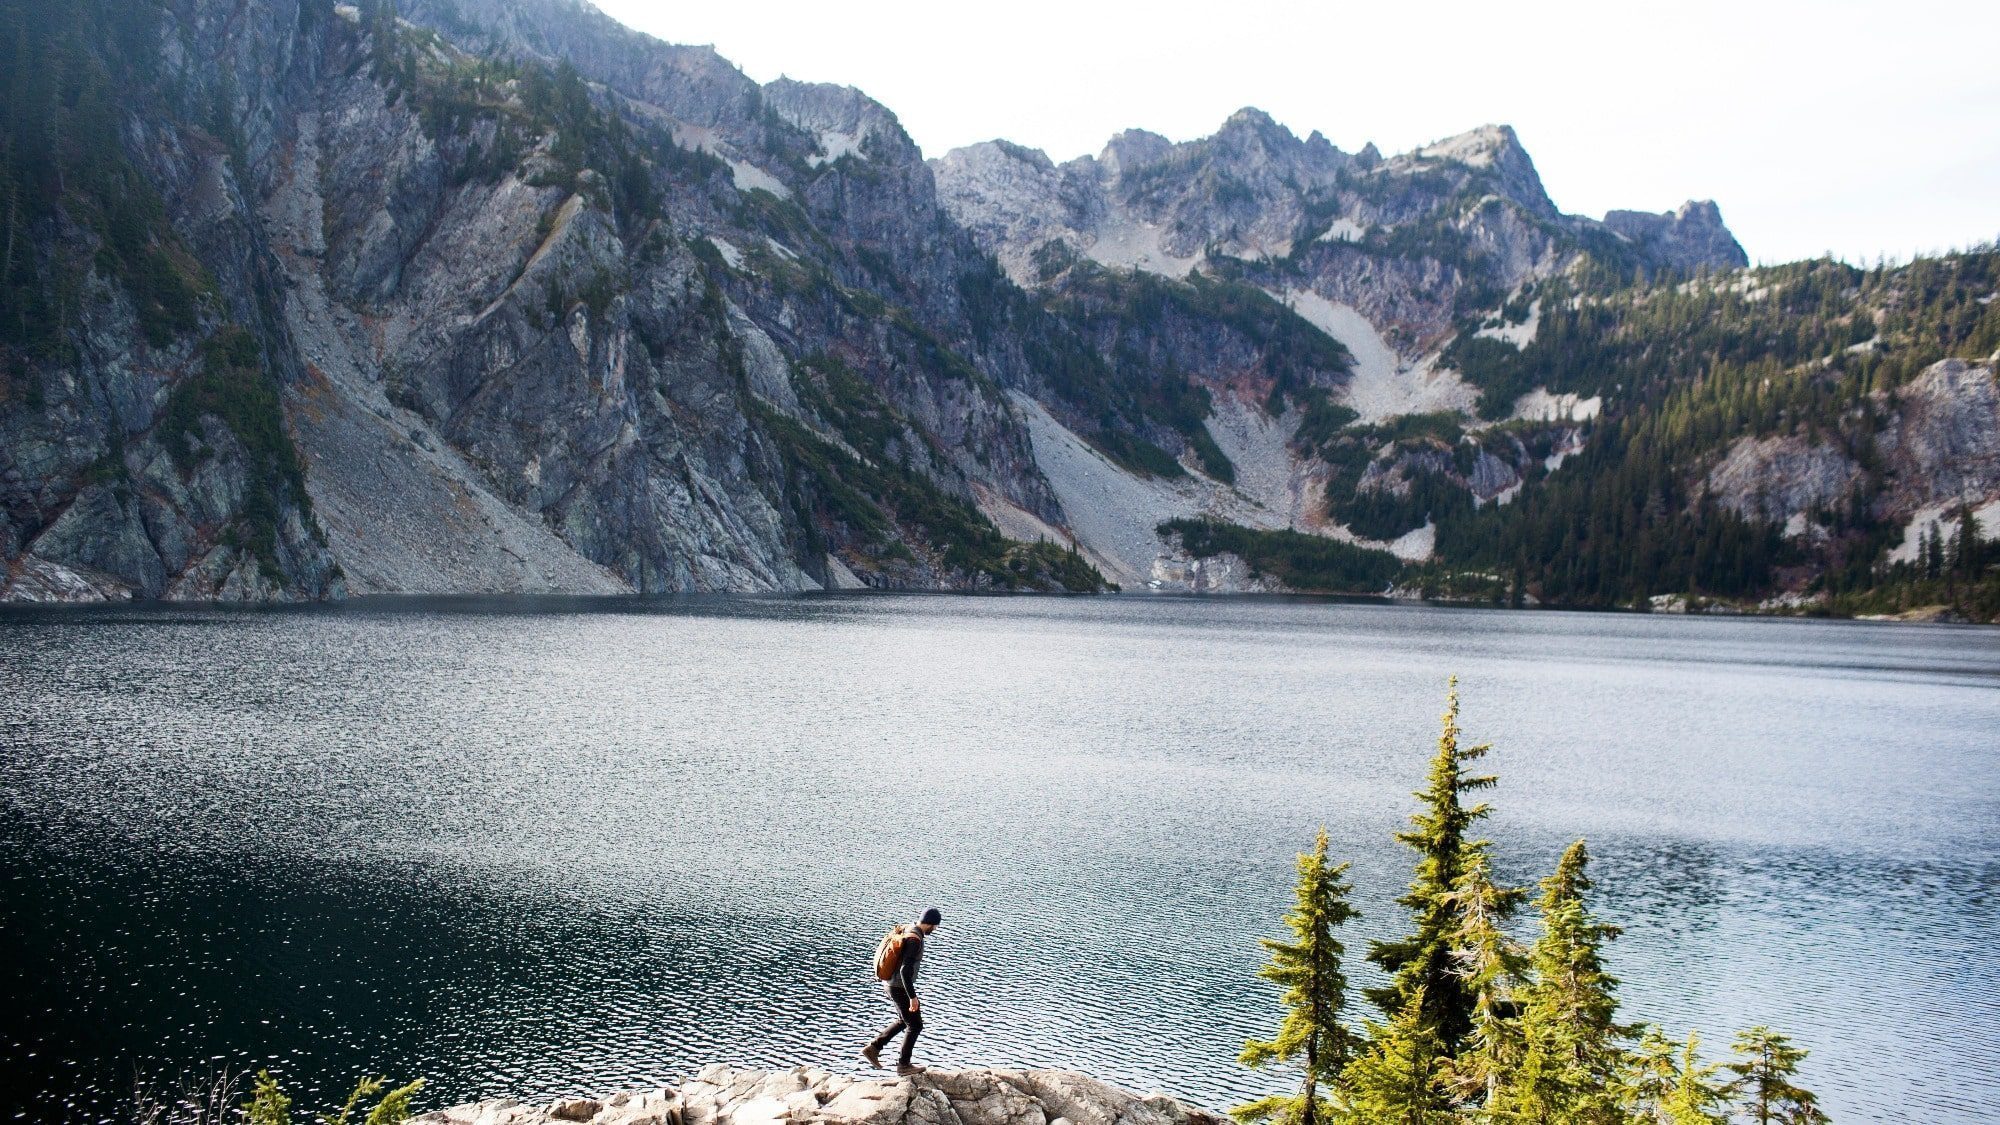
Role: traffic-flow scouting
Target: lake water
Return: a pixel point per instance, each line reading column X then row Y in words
column 541, row 848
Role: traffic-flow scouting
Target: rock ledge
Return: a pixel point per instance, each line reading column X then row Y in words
column 723, row 1095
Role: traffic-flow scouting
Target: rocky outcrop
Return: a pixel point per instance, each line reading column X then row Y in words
column 1691, row 238
column 1778, row 478
column 1942, row 443
column 721, row 1095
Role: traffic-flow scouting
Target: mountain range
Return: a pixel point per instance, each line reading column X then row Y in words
column 305, row 300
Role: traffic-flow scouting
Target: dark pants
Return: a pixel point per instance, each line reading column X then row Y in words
column 909, row 1023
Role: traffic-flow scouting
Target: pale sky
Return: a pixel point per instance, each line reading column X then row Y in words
column 1860, row 128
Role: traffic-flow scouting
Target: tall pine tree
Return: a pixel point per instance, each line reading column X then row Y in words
column 1421, row 964
column 1765, row 1064
column 1308, row 968
column 1667, row 1084
column 1572, row 1047
column 1395, row 1082
column 1489, row 963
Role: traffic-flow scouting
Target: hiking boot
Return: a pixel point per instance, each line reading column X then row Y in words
column 873, row 1055
column 907, row 1069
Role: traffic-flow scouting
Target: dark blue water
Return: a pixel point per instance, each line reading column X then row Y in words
column 540, row 849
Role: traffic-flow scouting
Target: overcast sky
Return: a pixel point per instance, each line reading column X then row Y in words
column 1860, row 128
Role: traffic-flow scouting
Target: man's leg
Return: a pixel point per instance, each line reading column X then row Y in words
column 903, row 1014
column 913, row 1021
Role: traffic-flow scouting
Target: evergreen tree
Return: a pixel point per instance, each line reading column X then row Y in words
column 1421, row 965
column 1572, row 1046
column 1967, row 557
column 1765, row 1065
column 1308, row 968
column 1489, row 963
column 1667, row 1083
column 1395, row 1081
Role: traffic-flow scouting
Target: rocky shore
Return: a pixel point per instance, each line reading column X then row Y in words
column 723, row 1095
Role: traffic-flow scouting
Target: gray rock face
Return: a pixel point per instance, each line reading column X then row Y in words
column 1399, row 240
column 721, row 1095
column 1682, row 240
column 1144, row 202
column 499, row 380
column 1777, row 478
column 1942, row 444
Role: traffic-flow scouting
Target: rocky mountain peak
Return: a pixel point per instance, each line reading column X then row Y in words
column 1251, row 136
column 841, row 118
column 1684, row 239
column 1133, row 148
column 1482, row 147
column 1494, row 151
column 1252, row 123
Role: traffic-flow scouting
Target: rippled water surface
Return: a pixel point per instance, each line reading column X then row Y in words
column 544, row 848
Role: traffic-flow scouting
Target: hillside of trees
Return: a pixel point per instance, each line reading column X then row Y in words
column 1684, row 368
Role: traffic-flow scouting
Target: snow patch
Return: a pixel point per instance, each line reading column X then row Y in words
column 1382, row 385
column 1929, row 518
column 1344, row 230
column 1563, row 453
column 1942, row 520
column 1135, row 245
column 748, row 177
column 1416, row 545
column 1520, row 335
column 1539, row 405
column 728, row 251
column 836, row 145
column 745, row 175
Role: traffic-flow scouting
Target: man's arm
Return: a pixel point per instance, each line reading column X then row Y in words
column 906, row 966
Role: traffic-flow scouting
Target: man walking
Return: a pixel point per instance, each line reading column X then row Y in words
column 897, row 962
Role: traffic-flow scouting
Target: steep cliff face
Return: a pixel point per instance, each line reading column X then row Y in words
column 1686, row 240
column 617, row 322
column 143, row 451
column 307, row 299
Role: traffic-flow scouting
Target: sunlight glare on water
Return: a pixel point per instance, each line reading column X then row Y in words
column 544, row 848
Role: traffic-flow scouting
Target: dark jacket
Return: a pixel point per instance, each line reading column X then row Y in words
column 905, row 976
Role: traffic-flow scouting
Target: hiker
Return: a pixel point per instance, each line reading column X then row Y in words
column 897, row 960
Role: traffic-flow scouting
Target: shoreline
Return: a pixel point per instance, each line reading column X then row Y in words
column 555, row 602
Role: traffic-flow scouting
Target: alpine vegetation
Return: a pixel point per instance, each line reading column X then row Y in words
column 1476, row 1026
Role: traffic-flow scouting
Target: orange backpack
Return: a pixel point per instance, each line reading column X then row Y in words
column 889, row 952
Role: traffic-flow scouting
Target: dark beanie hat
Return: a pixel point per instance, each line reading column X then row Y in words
column 931, row 917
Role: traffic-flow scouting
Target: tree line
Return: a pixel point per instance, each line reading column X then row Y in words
column 1475, row 1026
